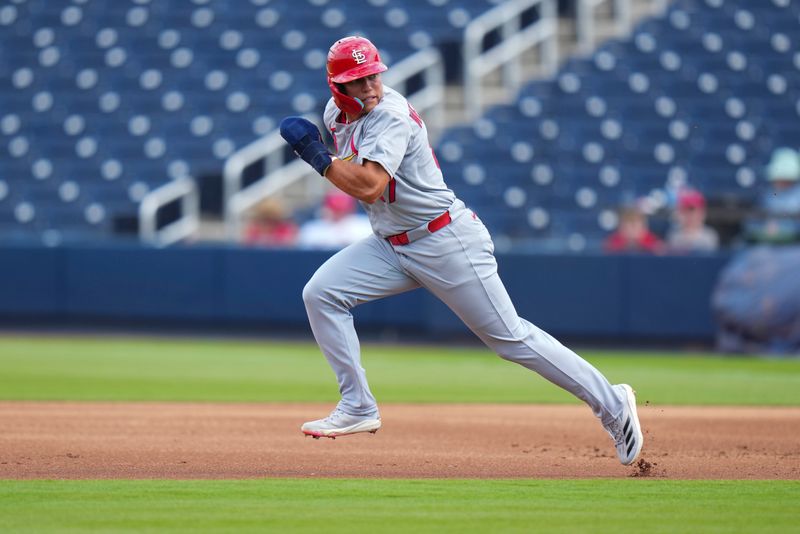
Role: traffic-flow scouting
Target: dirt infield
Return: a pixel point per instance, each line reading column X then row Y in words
column 51, row 440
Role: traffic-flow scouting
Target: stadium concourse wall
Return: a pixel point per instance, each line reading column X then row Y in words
column 593, row 297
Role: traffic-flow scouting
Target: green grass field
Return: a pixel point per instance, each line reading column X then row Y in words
column 87, row 369
column 239, row 371
column 400, row 506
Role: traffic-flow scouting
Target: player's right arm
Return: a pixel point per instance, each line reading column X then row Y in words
column 366, row 182
column 381, row 150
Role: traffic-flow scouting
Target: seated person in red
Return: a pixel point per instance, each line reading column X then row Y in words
column 270, row 225
column 633, row 234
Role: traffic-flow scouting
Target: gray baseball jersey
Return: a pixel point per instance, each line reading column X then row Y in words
column 455, row 262
column 394, row 136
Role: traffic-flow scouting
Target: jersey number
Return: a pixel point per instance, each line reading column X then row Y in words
column 392, row 191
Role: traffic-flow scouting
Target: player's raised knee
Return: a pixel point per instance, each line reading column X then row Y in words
column 318, row 293
column 312, row 293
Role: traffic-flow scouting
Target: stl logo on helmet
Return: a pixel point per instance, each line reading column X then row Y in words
column 359, row 56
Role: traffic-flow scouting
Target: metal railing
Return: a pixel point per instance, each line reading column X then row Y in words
column 514, row 42
column 659, row 6
column 586, row 19
column 270, row 185
column 279, row 175
column 184, row 190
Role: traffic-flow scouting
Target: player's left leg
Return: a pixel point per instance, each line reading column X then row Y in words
column 363, row 272
column 463, row 274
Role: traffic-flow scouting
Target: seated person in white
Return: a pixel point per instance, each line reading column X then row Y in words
column 339, row 224
column 690, row 233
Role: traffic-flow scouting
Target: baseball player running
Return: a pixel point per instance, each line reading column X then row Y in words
column 424, row 236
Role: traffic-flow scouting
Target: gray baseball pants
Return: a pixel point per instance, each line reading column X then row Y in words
column 458, row 266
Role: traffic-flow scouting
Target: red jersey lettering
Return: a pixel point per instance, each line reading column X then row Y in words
column 414, row 115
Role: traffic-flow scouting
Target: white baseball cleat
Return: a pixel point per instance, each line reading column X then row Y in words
column 626, row 431
column 339, row 423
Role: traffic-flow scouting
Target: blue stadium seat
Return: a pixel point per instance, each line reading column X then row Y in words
column 115, row 89
column 703, row 93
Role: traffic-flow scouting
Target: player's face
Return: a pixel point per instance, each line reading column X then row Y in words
column 368, row 89
column 691, row 217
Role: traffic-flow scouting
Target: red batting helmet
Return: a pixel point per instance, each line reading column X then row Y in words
column 349, row 59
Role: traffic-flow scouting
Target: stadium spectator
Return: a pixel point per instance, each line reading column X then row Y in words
column 690, row 233
column 633, row 234
column 338, row 225
column 780, row 205
column 271, row 225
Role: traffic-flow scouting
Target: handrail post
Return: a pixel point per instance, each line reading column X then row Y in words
column 515, row 40
column 622, row 14
column 183, row 189
column 584, row 24
column 550, row 46
column 473, row 37
column 512, row 71
column 586, row 19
